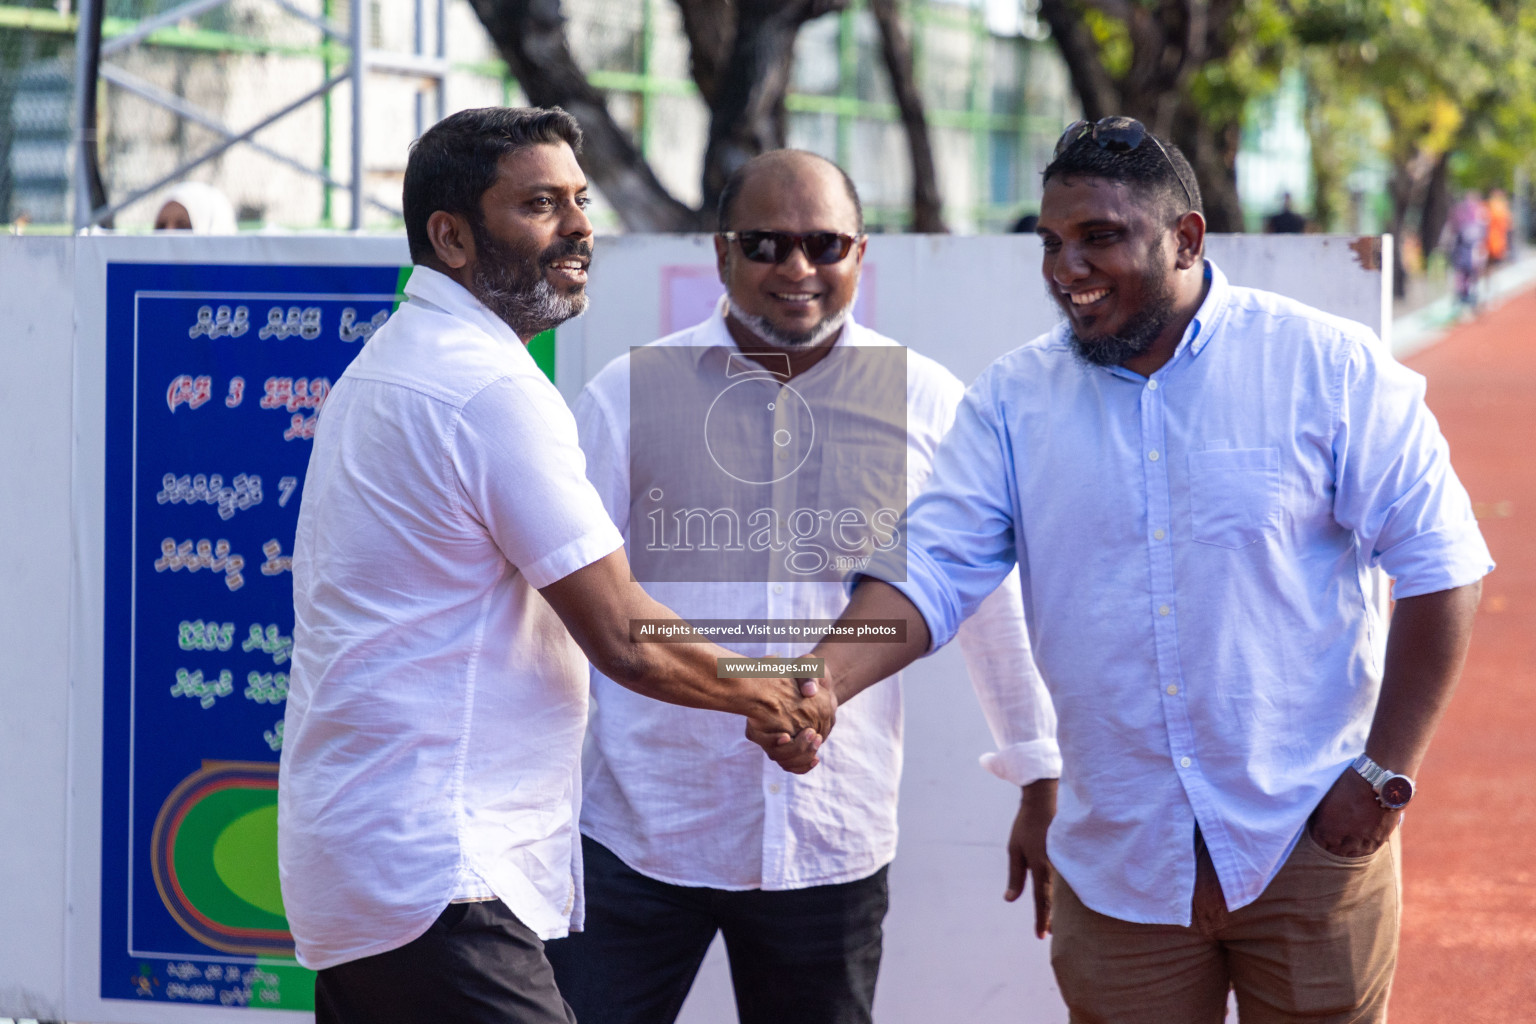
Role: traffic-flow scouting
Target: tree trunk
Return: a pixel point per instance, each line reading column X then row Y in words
column 1212, row 151
column 742, row 54
column 530, row 35
column 927, row 204
column 1401, row 188
column 1095, row 88
column 1170, row 40
column 710, row 26
column 748, row 116
column 1437, row 206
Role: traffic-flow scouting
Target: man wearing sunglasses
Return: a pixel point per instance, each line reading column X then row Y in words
column 1197, row 481
column 811, row 427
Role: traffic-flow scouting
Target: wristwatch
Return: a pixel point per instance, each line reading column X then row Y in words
column 1393, row 791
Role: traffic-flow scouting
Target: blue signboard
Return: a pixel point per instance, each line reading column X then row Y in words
column 215, row 374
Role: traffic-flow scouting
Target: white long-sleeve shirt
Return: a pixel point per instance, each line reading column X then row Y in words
column 679, row 794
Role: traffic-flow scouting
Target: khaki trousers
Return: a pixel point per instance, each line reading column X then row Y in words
column 1319, row 945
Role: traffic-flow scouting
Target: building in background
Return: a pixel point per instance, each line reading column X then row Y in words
column 997, row 97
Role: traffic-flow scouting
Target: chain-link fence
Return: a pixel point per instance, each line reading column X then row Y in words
column 36, row 91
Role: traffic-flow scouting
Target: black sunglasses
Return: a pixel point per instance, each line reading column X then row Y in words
column 820, row 247
column 1118, row 135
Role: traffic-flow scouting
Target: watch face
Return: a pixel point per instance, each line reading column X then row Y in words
column 1396, row 791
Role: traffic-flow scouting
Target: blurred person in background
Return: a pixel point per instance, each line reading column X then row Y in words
column 1499, row 221
column 1287, row 221
column 197, row 207
column 1467, row 237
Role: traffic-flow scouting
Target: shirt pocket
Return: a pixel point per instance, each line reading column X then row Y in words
column 1234, row 495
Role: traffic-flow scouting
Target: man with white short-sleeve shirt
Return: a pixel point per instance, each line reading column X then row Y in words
column 452, row 567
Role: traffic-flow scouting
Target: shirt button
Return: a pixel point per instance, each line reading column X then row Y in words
column 1173, row 690
column 1158, row 535
column 778, row 588
column 1153, row 456
column 1151, row 385
column 776, row 789
column 1184, row 762
column 1163, row 609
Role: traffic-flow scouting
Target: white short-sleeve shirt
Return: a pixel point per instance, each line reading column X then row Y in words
column 436, row 707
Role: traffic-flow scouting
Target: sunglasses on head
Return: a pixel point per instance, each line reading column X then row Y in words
column 820, row 247
column 1118, row 135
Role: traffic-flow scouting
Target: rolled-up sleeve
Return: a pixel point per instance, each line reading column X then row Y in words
column 1395, row 486
column 1008, row 686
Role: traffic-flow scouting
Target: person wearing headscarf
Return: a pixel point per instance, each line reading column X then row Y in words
column 196, row 207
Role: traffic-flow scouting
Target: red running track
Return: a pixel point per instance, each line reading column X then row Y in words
column 1469, row 862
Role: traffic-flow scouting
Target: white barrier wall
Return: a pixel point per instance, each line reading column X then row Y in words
column 963, row 300
column 954, row 950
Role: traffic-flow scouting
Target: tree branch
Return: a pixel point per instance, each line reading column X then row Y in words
column 1096, row 89
column 710, row 26
column 530, row 35
column 748, row 116
column 927, row 204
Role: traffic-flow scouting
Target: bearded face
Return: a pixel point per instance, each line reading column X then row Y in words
column 513, row 281
column 1139, row 331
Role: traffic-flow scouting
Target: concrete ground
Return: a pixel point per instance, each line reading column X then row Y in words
column 1469, row 920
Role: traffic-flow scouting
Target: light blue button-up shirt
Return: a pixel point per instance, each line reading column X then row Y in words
column 1196, row 549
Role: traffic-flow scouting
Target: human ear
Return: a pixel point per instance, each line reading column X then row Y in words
column 1189, row 236
column 722, row 258
column 452, row 240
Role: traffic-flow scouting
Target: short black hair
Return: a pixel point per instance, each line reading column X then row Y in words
column 454, row 162
column 1163, row 181
column 739, row 176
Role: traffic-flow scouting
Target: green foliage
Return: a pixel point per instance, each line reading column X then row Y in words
column 1395, row 88
column 1451, row 76
column 1260, row 43
column 1114, row 41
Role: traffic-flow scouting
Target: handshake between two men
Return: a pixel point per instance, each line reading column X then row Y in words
column 788, row 718
column 848, row 668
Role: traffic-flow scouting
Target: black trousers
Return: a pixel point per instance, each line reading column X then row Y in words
column 477, row 964
column 807, row 956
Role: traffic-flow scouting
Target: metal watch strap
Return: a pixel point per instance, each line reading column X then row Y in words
column 1378, row 778
column 1370, row 771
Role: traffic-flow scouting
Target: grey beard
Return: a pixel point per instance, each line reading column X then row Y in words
column 528, row 311
column 771, row 335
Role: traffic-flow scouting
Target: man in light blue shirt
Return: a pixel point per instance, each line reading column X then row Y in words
column 1198, row 483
